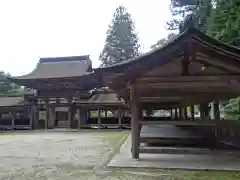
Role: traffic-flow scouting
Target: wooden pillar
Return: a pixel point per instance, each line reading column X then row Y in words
column 35, row 117
column 87, row 115
column 201, row 109
column 30, row 116
column 176, row 113
column 120, row 116
column 73, row 112
column 69, row 116
column 99, row 118
column 105, row 112
column 78, row 113
column 83, row 117
column 47, row 114
column 216, row 111
column 136, row 114
column 12, row 114
column 51, row 117
column 192, row 111
column 171, row 113
column 185, row 115
column 180, row 110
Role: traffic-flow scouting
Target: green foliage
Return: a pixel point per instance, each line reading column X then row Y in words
column 187, row 13
column 7, row 86
column 149, row 112
column 232, row 109
column 121, row 43
column 219, row 19
column 224, row 23
column 196, row 10
column 164, row 41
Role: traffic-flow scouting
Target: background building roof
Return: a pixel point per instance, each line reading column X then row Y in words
column 12, row 101
column 60, row 67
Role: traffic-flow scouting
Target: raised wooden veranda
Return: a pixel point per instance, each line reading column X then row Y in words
column 192, row 69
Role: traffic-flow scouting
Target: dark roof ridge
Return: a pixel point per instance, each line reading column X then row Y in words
column 64, row 58
column 190, row 31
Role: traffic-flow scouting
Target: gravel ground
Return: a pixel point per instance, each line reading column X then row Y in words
column 76, row 156
column 50, row 155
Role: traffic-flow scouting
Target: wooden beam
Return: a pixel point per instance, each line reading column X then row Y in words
column 213, row 65
column 186, row 59
column 184, row 93
column 158, row 106
column 179, row 85
column 218, row 60
column 160, row 99
column 194, row 78
column 183, row 123
column 216, row 52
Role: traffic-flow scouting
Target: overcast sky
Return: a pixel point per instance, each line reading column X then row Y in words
column 49, row 28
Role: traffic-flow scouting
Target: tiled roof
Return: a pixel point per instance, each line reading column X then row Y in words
column 60, row 67
column 158, row 52
column 97, row 99
column 12, row 101
column 103, row 98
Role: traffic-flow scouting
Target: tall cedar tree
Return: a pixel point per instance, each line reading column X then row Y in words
column 186, row 13
column 224, row 25
column 121, row 43
column 224, row 22
column 199, row 10
column 219, row 19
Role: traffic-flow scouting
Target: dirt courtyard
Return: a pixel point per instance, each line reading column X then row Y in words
column 55, row 155
column 44, row 155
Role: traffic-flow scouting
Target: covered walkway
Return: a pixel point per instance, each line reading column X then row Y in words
column 193, row 69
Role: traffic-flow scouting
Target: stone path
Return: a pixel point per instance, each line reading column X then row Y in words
column 220, row 161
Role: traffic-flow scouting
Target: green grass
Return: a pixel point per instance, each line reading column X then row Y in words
column 180, row 174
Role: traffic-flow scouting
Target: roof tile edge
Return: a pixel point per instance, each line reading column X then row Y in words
column 63, row 59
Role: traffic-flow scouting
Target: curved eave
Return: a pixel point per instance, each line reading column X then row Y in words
column 189, row 33
column 22, row 82
column 90, row 78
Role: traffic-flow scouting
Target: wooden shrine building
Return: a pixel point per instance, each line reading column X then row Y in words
column 66, row 90
column 15, row 113
column 192, row 69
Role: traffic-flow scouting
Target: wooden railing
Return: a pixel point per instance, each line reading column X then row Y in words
column 224, row 131
column 228, row 131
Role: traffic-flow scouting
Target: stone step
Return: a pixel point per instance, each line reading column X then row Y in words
column 185, row 150
column 62, row 124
